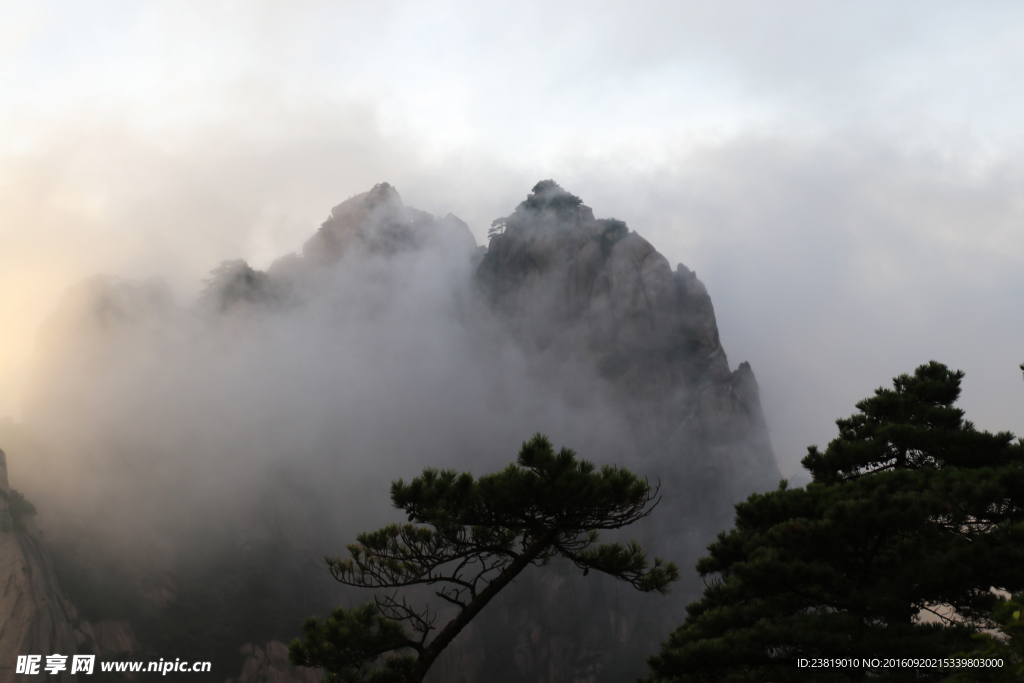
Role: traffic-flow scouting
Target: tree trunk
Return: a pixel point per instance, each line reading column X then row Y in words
column 453, row 627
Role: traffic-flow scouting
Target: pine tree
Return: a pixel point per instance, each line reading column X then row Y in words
column 468, row 539
column 1007, row 646
column 913, row 515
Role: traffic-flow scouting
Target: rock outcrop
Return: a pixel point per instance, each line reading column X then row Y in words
column 379, row 222
column 551, row 266
column 35, row 617
column 590, row 288
column 373, row 223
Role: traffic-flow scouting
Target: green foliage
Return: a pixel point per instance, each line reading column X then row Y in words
column 911, row 511
column 547, row 205
column 468, row 538
column 547, row 195
column 236, row 281
column 19, row 508
column 1009, row 646
column 497, row 228
column 349, row 642
column 911, row 426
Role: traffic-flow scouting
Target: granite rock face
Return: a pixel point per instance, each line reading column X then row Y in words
column 373, row 224
column 35, row 617
column 651, row 329
column 379, row 222
column 592, row 289
column 574, row 286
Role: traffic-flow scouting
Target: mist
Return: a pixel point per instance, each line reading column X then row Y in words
column 846, row 182
column 861, row 161
column 832, row 269
column 218, row 449
column 150, row 420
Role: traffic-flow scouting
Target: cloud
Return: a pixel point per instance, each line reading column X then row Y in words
column 834, row 268
column 843, row 179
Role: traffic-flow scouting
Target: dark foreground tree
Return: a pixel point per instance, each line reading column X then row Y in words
column 1006, row 646
column 479, row 534
column 912, row 517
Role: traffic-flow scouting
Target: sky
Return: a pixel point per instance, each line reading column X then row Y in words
column 845, row 178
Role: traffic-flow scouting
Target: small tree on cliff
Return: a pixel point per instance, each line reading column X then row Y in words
column 479, row 534
column 912, row 511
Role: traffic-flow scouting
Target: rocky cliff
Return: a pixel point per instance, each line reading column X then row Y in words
column 583, row 289
column 555, row 288
column 591, row 288
column 379, row 222
column 35, row 617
